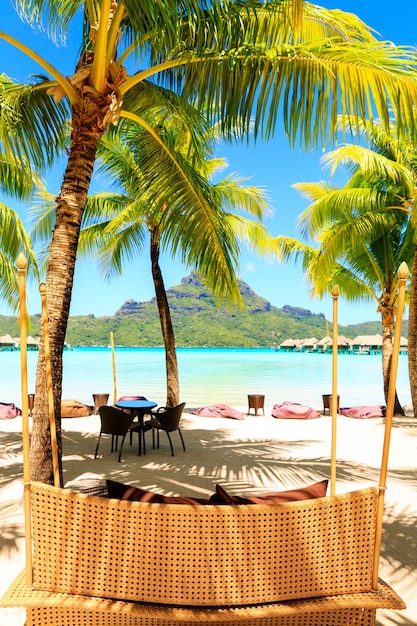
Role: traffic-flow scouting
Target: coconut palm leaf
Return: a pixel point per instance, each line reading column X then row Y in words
column 17, row 179
column 32, row 126
column 367, row 162
column 13, row 241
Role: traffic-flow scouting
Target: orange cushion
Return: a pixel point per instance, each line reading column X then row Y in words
column 318, row 490
column 73, row 408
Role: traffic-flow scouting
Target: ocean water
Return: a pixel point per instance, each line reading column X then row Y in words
column 209, row 376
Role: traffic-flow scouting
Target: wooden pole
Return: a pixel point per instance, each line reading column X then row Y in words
column 402, row 275
column 51, row 408
column 21, row 266
column 335, row 296
column 113, row 359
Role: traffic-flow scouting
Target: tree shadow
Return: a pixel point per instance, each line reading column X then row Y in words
column 241, row 464
column 400, row 537
column 12, row 531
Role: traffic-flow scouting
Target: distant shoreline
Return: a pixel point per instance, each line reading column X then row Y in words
column 209, row 348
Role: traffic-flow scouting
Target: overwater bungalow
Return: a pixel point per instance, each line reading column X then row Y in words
column 8, row 343
column 32, row 343
column 325, row 344
column 403, row 345
column 367, row 344
column 289, row 345
column 308, row 345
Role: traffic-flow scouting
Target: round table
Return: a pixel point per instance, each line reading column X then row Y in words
column 138, row 408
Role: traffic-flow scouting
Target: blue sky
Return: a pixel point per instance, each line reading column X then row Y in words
column 273, row 166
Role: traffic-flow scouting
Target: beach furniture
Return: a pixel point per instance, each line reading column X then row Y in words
column 168, row 420
column 256, row 402
column 327, row 402
column 116, row 423
column 100, row 399
column 137, row 406
column 31, row 403
column 100, row 560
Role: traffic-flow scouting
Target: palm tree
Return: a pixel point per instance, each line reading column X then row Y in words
column 116, row 224
column 242, row 60
column 362, row 231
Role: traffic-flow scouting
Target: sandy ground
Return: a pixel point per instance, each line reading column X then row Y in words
column 251, row 456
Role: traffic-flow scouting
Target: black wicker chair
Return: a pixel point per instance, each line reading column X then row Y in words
column 116, row 423
column 167, row 419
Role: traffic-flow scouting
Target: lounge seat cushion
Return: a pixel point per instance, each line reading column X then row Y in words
column 317, row 490
column 293, row 410
column 120, row 491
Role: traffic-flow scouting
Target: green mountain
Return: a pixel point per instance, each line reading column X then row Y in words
column 198, row 322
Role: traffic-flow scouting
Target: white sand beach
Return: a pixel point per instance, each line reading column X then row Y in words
column 252, row 456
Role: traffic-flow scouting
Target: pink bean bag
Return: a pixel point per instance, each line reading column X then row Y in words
column 293, row 410
column 124, row 398
column 8, row 410
column 364, row 412
column 219, row 410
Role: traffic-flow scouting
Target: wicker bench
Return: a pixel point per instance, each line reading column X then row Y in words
column 105, row 561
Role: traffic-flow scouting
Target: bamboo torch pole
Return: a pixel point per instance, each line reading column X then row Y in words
column 402, row 275
column 335, row 296
column 51, row 409
column 21, row 266
column 113, row 360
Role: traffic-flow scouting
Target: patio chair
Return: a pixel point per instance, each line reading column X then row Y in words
column 116, row 423
column 167, row 419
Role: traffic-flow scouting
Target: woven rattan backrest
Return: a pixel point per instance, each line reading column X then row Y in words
column 202, row 555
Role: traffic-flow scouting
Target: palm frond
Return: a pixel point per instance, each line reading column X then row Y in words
column 336, row 206
column 234, row 195
column 13, row 240
column 33, row 127
column 369, row 163
column 42, row 216
column 121, row 246
column 255, row 237
column 292, row 249
column 16, row 178
column 52, row 15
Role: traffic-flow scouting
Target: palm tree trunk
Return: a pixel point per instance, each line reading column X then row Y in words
column 387, row 351
column 412, row 335
column 59, row 280
column 173, row 390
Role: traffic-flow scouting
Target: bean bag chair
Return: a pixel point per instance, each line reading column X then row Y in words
column 219, row 410
column 8, row 410
column 293, row 410
column 364, row 412
column 73, row 408
column 124, row 398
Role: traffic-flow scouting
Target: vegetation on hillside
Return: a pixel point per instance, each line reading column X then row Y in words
column 198, row 322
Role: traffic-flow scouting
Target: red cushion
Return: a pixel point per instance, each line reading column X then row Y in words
column 318, row 490
column 135, row 494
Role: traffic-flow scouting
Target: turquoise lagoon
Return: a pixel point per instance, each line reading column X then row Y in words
column 209, row 376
